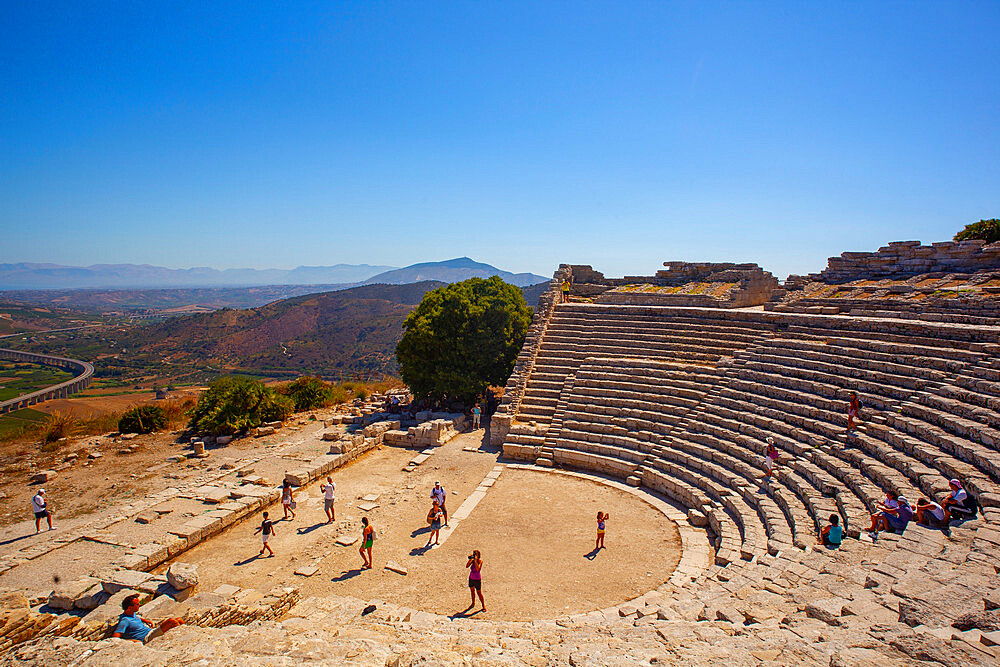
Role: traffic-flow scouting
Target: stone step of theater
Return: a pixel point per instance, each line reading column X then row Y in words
column 683, row 401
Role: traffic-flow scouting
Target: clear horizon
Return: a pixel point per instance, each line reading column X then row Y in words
column 523, row 136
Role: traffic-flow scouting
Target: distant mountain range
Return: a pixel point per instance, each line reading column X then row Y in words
column 97, row 276
column 26, row 276
column 450, row 271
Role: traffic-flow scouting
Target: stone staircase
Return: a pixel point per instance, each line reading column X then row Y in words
column 930, row 394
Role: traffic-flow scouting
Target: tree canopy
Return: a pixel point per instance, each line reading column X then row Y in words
column 235, row 403
column 987, row 230
column 309, row 392
column 462, row 338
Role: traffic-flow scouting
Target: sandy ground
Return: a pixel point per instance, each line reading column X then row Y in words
column 535, row 531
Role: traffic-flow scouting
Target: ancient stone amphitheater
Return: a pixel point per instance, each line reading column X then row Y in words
column 673, row 384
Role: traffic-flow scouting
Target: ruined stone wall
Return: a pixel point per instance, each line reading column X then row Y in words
column 903, row 259
column 754, row 286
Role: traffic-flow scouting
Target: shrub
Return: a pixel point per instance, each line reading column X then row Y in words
column 308, row 393
column 339, row 395
column 234, row 403
column 57, row 428
column 177, row 411
column 462, row 338
column 987, row 230
column 143, row 419
column 361, row 392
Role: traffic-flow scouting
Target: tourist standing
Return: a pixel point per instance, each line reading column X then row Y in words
column 329, row 489
column 266, row 529
column 41, row 509
column 134, row 627
column 770, row 457
column 565, row 290
column 367, row 540
column 601, row 519
column 434, row 519
column 287, row 500
column 439, row 494
column 853, row 408
column 476, row 415
column 475, row 566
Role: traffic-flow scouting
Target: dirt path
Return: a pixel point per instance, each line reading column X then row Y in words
column 535, row 531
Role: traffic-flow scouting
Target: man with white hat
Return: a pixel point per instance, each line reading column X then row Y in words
column 439, row 494
column 41, row 510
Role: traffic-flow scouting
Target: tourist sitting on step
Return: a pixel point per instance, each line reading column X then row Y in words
column 134, row 627
column 959, row 504
column 832, row 534
column 893, row 516
column 931, row 514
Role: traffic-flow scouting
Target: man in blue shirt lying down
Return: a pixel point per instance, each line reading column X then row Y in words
column 132, row 626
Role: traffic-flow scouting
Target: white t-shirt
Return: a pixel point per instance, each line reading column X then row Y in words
column 959, row 496
column 37, row 503
column 329, row 489
column 936, row 510
column 438, row 494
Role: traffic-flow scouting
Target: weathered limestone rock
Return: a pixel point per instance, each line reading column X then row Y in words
column 829, row 610
column 182, row 575
column 66, row 595
column 43, row 476
column 393, row 566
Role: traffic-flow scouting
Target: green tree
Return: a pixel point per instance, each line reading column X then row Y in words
column 308, row 393
column 234, row 403
column 462, row 338
column 987, row 230
column 143, row 419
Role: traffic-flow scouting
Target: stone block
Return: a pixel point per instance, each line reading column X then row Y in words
column 124, row 579
column 66, row 594
column 297, row 477
column 393, row 566
column 146, row 517
column 182, row 575
column 132, row 561
column 153, row 552
column 212, row 494
column 828, row 610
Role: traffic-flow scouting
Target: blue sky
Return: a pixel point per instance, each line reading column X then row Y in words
column 520, row 134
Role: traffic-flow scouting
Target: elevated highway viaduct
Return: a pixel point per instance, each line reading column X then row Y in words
column 83, row 373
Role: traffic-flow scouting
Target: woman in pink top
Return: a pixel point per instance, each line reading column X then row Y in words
column 475, row 566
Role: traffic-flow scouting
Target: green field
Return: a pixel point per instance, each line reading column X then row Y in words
column 15, row 423
column 17, row 378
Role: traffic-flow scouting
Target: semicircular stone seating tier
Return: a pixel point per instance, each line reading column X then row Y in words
column 684, row 400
